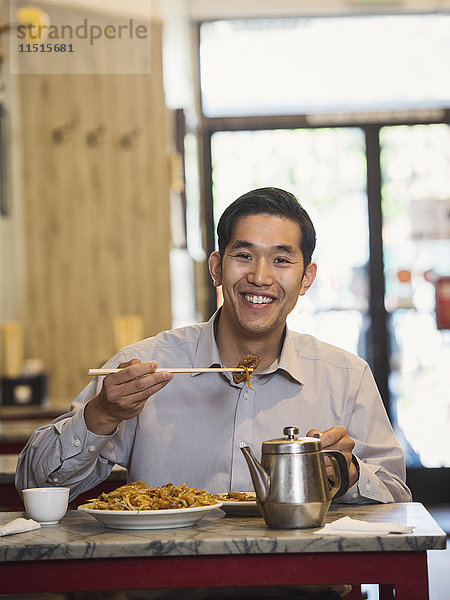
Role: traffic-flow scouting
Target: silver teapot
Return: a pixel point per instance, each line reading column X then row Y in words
column 291, row 485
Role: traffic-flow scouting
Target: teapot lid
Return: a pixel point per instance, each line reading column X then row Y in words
column 292, row 445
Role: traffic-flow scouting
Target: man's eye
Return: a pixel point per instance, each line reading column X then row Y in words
column 244, row 255
column 282, row 260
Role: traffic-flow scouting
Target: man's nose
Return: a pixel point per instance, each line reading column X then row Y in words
column 260, row 273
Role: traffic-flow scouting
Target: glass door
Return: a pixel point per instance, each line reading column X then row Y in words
column 415, row 167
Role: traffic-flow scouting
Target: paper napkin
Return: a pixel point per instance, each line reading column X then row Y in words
column 348, row 525
column 19, row 525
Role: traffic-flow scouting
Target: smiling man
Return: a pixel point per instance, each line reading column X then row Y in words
column 158, row 425
column 164, row 427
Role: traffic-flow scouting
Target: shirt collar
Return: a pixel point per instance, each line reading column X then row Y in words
column 289, row 359
column 207, row 353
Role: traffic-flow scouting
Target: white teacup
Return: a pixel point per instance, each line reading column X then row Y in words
column 47, row 506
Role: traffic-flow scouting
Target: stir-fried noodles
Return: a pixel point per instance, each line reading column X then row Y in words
column 139, row 496
column 235, row 497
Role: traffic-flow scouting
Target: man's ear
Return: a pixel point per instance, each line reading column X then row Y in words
column 308, row 278
column 215, row 268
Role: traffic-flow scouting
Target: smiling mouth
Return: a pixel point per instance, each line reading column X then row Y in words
column 258, row 299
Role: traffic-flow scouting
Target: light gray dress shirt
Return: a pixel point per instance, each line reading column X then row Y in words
column 191, row 429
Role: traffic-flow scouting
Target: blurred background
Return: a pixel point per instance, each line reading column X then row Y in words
column 115, row 165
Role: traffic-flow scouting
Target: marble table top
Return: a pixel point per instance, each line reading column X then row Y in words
column 80, row 536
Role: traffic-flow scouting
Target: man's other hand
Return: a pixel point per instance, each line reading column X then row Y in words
column 337, row 438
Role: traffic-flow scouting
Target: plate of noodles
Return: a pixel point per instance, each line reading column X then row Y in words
column 237, row 504
column 138, row 506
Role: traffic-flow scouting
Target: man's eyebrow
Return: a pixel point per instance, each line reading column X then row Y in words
column 242, row 244
column 285, row 248
column 249, row 245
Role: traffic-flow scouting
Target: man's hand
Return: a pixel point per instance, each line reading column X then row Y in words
column 337, row 438
column 123, row 395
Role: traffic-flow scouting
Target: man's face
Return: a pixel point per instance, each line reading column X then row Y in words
column 261, row 274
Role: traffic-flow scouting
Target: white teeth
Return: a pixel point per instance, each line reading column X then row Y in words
column 258, row 299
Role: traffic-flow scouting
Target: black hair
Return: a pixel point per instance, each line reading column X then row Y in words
column 270, row 201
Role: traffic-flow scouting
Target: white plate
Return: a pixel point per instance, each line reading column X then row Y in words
column 242, row 508
column 150, row 519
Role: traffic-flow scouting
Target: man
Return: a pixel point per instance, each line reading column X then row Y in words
column 164, row 427
column 191, row 428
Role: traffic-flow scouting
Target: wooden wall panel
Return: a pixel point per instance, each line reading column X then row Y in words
column 96, row 215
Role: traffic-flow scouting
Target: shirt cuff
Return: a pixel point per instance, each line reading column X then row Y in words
column 368, row 488
column 77, row 440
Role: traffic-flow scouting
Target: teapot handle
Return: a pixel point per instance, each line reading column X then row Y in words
column 340, row 473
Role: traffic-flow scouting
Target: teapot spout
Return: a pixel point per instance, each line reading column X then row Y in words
column 260, row 477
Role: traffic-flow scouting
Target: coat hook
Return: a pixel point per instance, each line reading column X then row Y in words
column 62, row 133
column 127, row 140
column 94, row 136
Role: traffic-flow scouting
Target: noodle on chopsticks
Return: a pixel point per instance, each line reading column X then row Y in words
column 247, row 377
column 140, row 496
column 247, row 362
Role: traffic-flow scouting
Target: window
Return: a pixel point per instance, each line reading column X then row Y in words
column 311, row 65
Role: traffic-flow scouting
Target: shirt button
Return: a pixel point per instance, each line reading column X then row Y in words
column 55, row 479
column 76, row 443
column 246, row 395
column 91, row 448
column 354, row 496
column 368, row 487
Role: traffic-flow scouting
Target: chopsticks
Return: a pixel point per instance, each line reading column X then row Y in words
column 176, row 370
